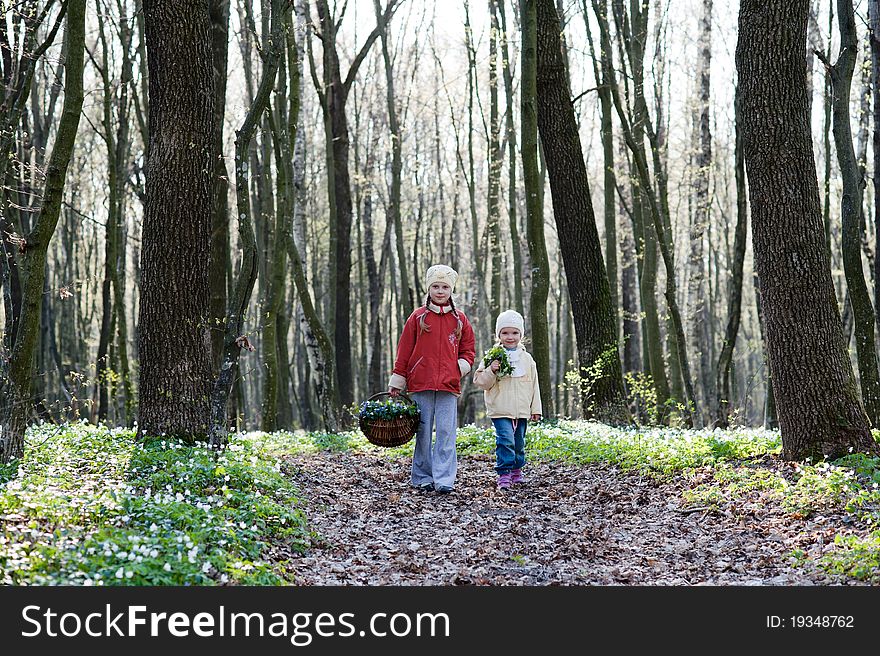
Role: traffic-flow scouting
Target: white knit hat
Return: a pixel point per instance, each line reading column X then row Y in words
column 510, row 319
column 440, row 273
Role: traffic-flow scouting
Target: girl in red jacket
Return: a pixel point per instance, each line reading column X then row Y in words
column 435, row 350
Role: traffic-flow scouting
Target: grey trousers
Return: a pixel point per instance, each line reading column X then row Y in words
column 435, row 464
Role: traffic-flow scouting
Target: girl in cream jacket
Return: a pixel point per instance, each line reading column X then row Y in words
column 511, row 401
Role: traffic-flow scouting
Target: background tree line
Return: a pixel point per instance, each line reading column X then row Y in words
column 183, row 182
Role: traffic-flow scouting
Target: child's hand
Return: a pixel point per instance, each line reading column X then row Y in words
column 535, row 418
column 393, row 391
column 495, row 366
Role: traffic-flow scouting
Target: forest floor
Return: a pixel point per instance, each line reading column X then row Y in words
column 92, row 505
column 568, row 524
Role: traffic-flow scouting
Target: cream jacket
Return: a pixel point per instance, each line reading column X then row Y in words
column 511, row 397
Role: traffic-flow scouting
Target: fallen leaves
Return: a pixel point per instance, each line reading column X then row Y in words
column 567, row 525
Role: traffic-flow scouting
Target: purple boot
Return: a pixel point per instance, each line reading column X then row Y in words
column 516, row 476
column 503, row 481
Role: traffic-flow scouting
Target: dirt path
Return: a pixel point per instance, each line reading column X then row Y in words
column 566, row 525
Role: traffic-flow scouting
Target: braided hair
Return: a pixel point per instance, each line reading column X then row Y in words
column 424, row 327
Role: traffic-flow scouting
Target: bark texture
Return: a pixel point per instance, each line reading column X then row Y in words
column 820, row 413
column 533, row 183
column 734, row 290
column 16, row 381
column 592, row 307
column 851, row 212
column 174, row 340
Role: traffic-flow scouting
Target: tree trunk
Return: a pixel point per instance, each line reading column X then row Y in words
column 826, row 138
column 820, row 414
column 850, row 210
column 874, row 34
column 698, row 297
column 480, row 313
column 174, row 340
column 634, row 33
column 540, row 264
column 511, row 165
column 118, row 146
column 244, row 285
column 15, row 387
column 610, row 179
column 493, row 201
column 576, row 225
column 734, row 293
column 408, row 298
column 333, row 100
column 374, row 363
column 219, row 13
column 318, row 344
column 660, row 227
column 629, row 297
column 283, row 130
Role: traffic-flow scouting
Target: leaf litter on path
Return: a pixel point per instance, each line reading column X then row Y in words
column 566, row 525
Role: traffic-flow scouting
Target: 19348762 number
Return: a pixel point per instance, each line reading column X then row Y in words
column 810, row 622
column 821, row 621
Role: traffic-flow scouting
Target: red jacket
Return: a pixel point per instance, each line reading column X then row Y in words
column 434, row 359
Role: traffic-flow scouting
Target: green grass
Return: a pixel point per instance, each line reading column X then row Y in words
column 92, row 506
column 657, row 452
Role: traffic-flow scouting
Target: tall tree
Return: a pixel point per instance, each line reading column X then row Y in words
column 659, row 227
column 698, row 296
column 533, row 183
column 735, row 283
column 820, row 414
column 219, row 12
column 592, row 307
column 16, row 374
column 874, row 36
column 493, row 200
column 283, row 136
column 603, row 89
column 174, row 341
column 396, row 159
column 333, row 93
column 649, row 231
column 851, row 210
column 512, row 190
column 19, row 55
column 234, row 340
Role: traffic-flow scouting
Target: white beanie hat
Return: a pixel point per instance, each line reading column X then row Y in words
column 440, row 273
column 509, row 319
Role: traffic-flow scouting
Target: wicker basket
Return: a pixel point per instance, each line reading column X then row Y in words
column 390, row 432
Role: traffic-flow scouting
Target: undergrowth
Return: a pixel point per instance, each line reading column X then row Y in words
column 92, row 506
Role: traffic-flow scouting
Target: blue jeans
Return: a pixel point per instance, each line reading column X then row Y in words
column 510, row 444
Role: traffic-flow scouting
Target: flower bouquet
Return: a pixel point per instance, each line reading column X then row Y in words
column 387, row 410
column 498, row 353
